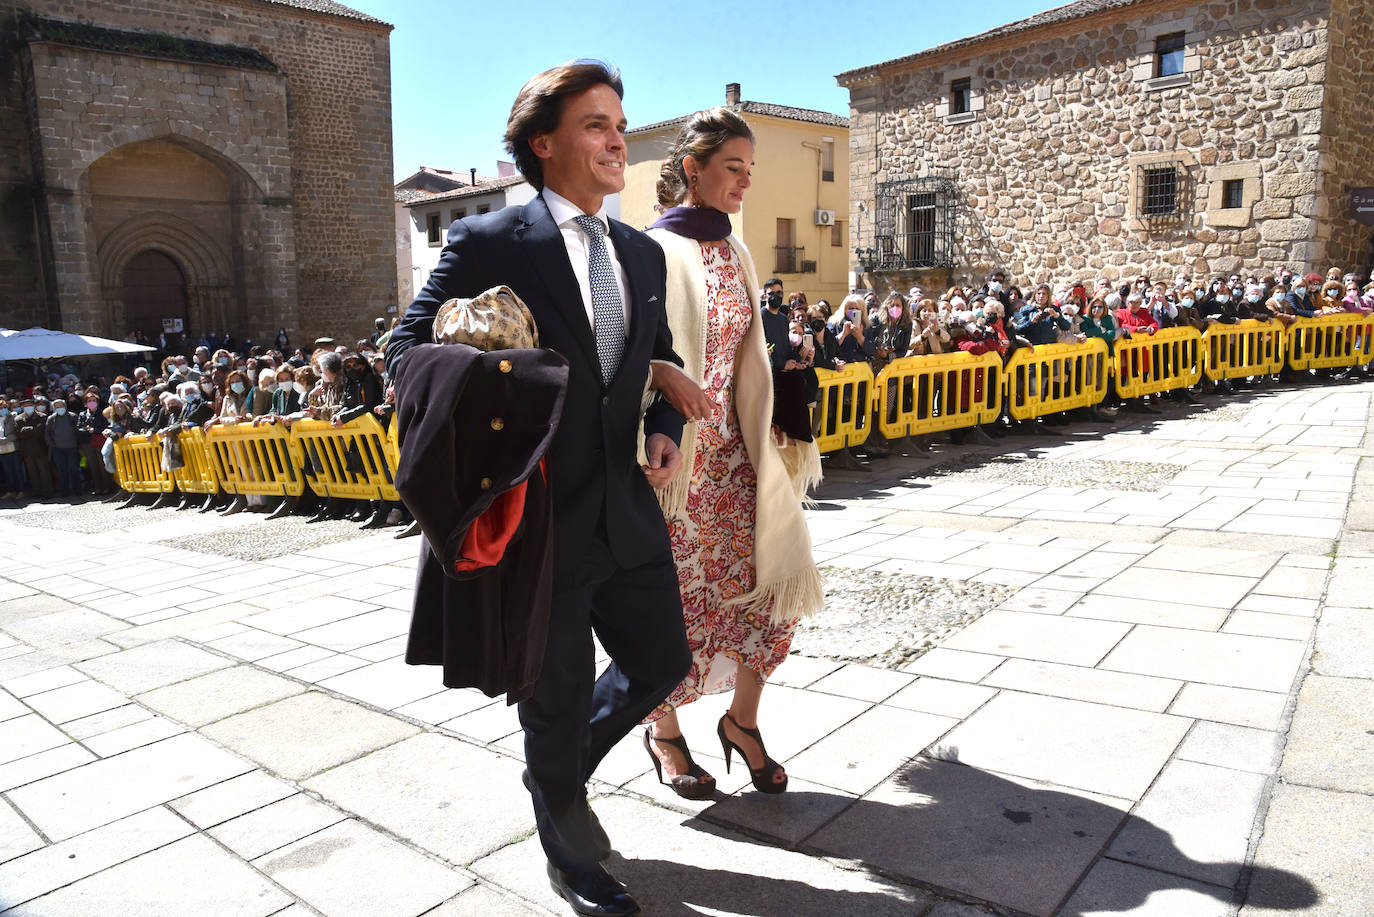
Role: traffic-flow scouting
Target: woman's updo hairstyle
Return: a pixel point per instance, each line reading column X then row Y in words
column 703, row 134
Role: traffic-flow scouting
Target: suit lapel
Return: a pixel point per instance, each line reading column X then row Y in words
column 543, row 243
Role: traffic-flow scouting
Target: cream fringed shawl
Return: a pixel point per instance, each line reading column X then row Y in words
column 787, row 584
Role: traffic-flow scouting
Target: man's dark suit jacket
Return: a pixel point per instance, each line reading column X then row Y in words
column 593, row 461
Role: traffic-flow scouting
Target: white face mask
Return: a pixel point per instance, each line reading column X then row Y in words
column 300, row 389
column 957, row 302
column 285, row 387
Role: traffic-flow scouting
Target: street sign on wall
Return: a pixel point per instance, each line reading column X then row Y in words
column 1362, row 205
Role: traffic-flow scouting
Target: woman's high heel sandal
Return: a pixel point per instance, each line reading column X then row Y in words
column 695, row 784
column 763, row 777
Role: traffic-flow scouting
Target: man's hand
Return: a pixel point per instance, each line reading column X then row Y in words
column 684, row 394
column 665, row 460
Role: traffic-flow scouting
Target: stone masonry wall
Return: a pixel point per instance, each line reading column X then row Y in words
column 1348, row 142
column 337, row 147
column 1046, row 163
column 22, row 302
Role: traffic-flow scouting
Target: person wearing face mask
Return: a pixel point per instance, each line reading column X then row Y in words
column 285, row 399
column 90, row 427
column 259, row 401
column 891, row 336
column 847, row 324
column 11, row 465
column 232, row 409
column 996, row 288
column 775, row 323
column 29, row 428
column 64, row 450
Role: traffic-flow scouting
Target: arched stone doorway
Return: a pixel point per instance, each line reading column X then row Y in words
column 177, row 238
column 154, row 294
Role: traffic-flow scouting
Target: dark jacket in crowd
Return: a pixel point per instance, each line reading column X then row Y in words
column 850, row 350
column 776, row 327
column 60, row 432
column 29, row 431
column 1301, row 305
column 486, row 627
column 1037, row 328
column 1224, row 312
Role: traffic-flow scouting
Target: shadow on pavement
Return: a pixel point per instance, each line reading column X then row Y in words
column 1008, row 842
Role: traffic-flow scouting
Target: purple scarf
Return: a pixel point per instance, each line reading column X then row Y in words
column 704, row 224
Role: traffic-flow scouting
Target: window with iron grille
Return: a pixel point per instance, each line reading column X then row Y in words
column 1169, row 54
column 1233, row 194
column 1159, row 191
column 915, row 220
column 960, row 96
column 786, row 254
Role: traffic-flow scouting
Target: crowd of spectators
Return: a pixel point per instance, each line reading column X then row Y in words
column 57, row 433
column 1002, row 318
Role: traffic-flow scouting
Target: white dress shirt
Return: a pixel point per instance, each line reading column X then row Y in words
column 564, row 213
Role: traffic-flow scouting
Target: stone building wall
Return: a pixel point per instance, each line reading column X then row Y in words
column 1348, row 142
column 1047, row 163
column 323, row 169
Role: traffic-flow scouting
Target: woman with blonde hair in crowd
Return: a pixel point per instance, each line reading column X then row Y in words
column 739, row 538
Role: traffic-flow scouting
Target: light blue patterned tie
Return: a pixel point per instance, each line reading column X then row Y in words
column 608, row 314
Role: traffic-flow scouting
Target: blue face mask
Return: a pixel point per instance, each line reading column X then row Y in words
column 1187, row 302
column 4, row 412
column 237, row 387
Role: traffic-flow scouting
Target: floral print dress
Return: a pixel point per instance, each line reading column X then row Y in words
column 713, row 538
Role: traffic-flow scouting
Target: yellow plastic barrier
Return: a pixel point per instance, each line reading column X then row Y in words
column 349, row 462
column 1166, row 360
column 138, row 464
column 843, row 404
column 1056, row 377
column 255, row 460
column 935, row 392
column 1248, row 348
column 198, row 475
column 1331, row 341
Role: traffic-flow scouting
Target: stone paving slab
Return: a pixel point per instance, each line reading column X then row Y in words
column 681, row 865
column 155, row 884
column 1314, row 855
column 1013, row 842
column 442, row 794
column 303, row 735
column 1068, row 742
column 1331, row 743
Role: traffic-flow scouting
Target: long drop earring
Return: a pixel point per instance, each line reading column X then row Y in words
column 696, row 198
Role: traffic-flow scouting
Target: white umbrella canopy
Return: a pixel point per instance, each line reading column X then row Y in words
column 42, row 344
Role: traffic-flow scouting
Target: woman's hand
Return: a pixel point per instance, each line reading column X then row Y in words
column 682, row 393
column 335, row 422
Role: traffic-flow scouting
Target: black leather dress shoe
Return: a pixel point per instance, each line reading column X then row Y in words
column 594, row 892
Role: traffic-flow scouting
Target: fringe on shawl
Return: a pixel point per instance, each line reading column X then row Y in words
column 803, row 464
column 792, row 599
column 673, row 498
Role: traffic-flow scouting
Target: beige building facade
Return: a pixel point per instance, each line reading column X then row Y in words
column 224, row 165
column 1112, row 137
column 795, row 215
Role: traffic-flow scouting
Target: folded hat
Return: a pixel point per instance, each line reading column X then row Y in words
column 494, row 320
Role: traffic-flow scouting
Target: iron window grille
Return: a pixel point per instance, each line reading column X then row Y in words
column 787, row 259
column 1169, row 54
column 960, row 96
column 1161, row 192
column 1233, row 194
column 915, row 223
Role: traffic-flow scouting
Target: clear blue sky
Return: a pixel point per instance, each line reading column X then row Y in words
column 456, row 67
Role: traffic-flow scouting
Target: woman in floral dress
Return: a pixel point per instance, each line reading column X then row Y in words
column 739, row 538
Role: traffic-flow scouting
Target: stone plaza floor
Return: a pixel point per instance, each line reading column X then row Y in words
column 1170, row 714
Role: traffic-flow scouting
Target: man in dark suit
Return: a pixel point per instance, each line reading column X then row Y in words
column 602, row 307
